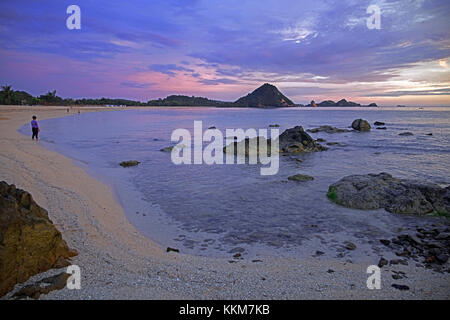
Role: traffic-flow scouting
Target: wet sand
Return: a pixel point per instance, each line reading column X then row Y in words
column 118, row 263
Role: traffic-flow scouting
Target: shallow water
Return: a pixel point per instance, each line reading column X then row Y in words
column 209, row 210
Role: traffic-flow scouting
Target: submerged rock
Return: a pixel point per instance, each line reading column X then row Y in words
column 381, row 128
column 375, row 191
column 327, row 129
column 29, row 242
column 379, row 123
column 129, row 163
column 300, row 177
column 406, row 134
column 361, row 125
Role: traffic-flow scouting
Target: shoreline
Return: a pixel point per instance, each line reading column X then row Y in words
column 117, row 262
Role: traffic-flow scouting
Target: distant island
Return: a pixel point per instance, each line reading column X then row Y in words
column 266, row 96
column 340, row 103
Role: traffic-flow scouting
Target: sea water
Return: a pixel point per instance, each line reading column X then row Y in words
column 217, row 210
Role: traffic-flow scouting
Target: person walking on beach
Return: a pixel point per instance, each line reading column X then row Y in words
column 35, row 129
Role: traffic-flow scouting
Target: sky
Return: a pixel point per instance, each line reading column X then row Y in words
column 223, row 49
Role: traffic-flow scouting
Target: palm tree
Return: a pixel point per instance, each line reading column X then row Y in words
column 7, row 94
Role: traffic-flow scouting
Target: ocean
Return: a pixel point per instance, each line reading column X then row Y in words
column 218, row 210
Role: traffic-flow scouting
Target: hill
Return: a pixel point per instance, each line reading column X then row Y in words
column 265, row 96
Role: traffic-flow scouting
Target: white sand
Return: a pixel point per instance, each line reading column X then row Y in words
column 118, row 263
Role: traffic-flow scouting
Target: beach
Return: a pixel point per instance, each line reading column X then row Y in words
column 117, row 262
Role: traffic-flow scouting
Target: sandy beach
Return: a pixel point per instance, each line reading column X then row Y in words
column 117, row 262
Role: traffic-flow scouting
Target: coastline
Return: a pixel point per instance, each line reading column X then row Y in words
column 119, row 263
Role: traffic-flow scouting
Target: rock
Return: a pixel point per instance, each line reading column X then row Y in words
column 398, row 261
column 319, row 253
column 249, row 147
column 237, row 250
column 381, row 128
column 442, row 258
column 237, row 255
column 29, row 242
column 361, row 125
column 406, row 134
column 350, row 245
column 176, row 147
column 330, row 271
column 44, row 286
column 429, row 134
column 383, row 262
column 169, row 249
column 167, row 149
column 327, row 129
column 385, row 242
column 376, row 191
column 379, row 123
column 321, row 140
column 333, row 144
column 129, row 163
column 300, row 178
column 211, row 128
column 400, row 287
column 296, row 140
column 274, row 125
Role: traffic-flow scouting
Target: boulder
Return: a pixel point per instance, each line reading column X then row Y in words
column 29, row 242
column 375, row 191
column 327, row 129
column 361, row 125
column 248, row 147
column 296, row 140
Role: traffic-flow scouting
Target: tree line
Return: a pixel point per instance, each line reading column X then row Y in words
column 15, row 97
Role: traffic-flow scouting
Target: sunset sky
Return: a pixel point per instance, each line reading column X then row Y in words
column 223, row 49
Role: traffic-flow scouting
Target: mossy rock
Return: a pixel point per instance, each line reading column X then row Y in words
column 331, row 194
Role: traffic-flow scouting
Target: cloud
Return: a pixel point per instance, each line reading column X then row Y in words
column 168, row 69
column 218, row 81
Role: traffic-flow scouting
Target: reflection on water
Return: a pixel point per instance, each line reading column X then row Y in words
column 213, row 209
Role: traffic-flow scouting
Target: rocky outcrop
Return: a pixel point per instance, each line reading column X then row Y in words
column 327, row 129
column 29, row 242
column 375, row 191
column 296, row 140
column 361, row 125
column 129, row 163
